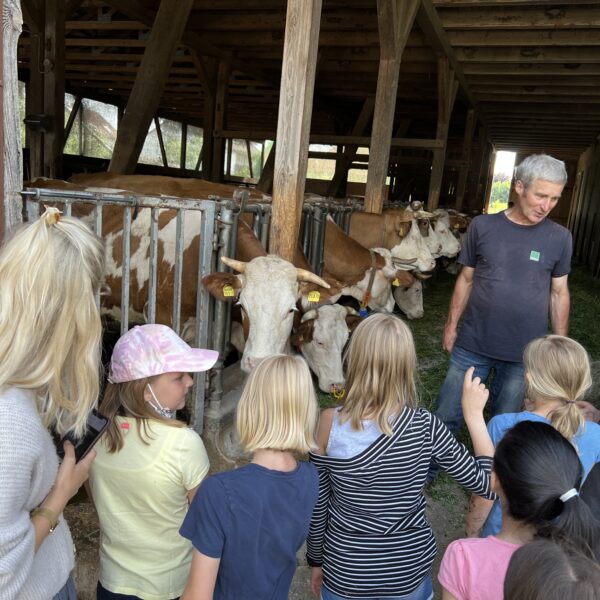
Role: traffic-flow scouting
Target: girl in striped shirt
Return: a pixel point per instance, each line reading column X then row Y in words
column 369, row 536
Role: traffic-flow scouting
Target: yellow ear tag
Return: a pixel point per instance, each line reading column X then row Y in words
column 228, row 291
column 314, row 296
column 396, row 282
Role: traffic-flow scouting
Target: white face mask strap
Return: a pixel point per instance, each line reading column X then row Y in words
column 161, row 410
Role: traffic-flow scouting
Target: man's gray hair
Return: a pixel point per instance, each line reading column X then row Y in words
column 541, row 166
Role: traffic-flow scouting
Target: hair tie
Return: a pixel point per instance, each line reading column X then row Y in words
column 51, row 215
column 569, row 494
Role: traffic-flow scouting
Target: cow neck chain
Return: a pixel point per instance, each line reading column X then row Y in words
column 367, row 294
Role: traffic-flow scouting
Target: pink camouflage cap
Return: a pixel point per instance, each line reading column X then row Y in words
column 148, row 350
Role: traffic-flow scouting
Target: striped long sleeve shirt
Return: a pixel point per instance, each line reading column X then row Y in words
column 369, row 530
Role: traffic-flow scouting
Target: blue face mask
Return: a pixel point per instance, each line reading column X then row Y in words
column 156, row 405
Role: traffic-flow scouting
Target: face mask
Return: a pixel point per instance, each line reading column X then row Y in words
column 156, row 405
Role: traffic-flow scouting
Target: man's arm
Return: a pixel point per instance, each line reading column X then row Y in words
column 458, row 303
column 560, row 303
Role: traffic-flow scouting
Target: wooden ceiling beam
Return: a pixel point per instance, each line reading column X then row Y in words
column 566, row 69
column 532, row 17
column 573, row 37
column 528, row 55
column 432, row 27
column 555, row 99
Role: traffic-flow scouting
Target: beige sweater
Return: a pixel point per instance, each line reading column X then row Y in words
column 28, row 466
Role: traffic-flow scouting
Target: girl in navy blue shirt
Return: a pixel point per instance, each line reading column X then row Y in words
column 247, row 525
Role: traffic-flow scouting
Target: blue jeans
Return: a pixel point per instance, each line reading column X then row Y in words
column 506, row 392
column 423, row 592
column 68, row 591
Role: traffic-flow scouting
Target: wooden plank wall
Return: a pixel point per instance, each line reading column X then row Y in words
column 584, row 220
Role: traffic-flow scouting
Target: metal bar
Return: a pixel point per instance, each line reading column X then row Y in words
column 308, row 218
column 98, row 232
column 67, row 209
column 153, row 266
column 179, row 233
column 316, row 253
column 265, row 221
column 125, row 268
column 222, row 310
column 203, row 309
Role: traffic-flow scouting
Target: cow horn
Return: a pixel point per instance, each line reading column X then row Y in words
column 236, row 265
column 351, row 311
column 403, row 261
column 308, row 315
column 304, row 275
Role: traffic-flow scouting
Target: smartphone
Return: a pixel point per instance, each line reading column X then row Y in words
column 95, row 427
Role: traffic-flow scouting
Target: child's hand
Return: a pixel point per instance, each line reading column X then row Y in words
column 316, row 581
column 474, row 395
column 589, row 411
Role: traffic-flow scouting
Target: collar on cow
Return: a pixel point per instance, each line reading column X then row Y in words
column 367, row 294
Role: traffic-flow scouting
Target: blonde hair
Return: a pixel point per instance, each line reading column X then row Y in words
column 381, row 366
column 127, row 399
column 558, row 368
column 278, row 408
column 50, row 328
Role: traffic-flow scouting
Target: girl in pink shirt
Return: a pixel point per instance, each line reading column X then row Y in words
column 537, row 474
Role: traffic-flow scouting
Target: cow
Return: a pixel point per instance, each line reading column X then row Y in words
column 321, row 338
column 267, row 290
column 443, row 229
column 394, row 230
column 365, row 274
column 410, row 300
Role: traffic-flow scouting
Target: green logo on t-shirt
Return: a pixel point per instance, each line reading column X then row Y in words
column 535, row 255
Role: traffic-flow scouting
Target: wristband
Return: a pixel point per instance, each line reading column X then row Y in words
column 48, row 514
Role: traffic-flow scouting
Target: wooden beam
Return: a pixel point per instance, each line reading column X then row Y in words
column 432, row 27
column 34, row 98
column 466, row 155
column 343, row 163
column 10, row 136
column 265, row 181
column 33, row 14
column 72, row 116
column 54, row 87
column 220, row 104
column 554, row 37
column 145, row 96
column 528, row 69
column 293, row 124
column 542, row 54
column 447, row 88
column 532, row 17
column 395, row 19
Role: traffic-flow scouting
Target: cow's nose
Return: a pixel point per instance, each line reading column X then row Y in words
column 338, row 390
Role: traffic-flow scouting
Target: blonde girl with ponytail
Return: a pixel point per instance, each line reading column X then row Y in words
column 49, row 377
column 557, row 377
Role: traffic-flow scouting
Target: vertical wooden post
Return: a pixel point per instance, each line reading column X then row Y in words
column 144, row 99
column 220, row 104
column 342, row 165
column 395, row 20
column 54, row 86
column 466, row 158
column 447, row 88
column 35, row 90
column 490, row 178
column 207, row 70
column 302, row 23
column 10, row 131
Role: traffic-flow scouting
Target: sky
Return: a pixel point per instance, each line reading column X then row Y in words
column 505, row 162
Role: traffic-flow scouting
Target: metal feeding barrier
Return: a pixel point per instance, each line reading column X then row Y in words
column 215, row 221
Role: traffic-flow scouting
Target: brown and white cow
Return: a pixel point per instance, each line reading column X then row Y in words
column 321, row 336
column 410, row 300
column 350, row 263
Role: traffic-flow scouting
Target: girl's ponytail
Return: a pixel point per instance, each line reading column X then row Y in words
column 558, row 368
column 540, row 474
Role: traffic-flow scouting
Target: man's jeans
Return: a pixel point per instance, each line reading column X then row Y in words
column 506, row 392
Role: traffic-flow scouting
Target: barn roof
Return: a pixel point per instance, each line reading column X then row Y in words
column 531, row 69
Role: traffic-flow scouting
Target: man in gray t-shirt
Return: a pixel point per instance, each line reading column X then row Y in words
column 514, row 276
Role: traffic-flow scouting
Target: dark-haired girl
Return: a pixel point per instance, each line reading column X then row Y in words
column 537, row 474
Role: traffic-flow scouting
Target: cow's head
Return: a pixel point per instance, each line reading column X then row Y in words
column 267, row 290
column 412, row 247
column 410, row 300
column 450, row 244
column 321, row 337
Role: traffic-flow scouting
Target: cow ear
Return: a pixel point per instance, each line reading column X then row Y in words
column 353, row 321
column 303, row 334
column 223, row 286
